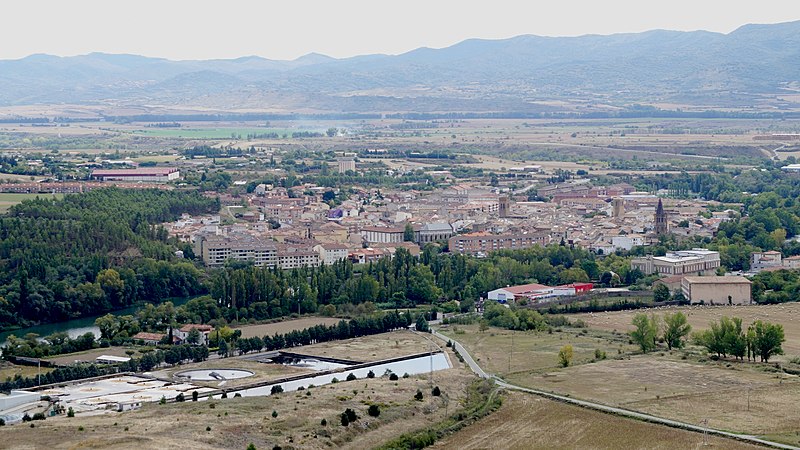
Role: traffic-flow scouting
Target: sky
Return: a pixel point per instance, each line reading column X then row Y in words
column 287, row 29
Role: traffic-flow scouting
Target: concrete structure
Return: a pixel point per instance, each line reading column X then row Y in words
column 627, row 241
column 434, row 232
column 661, row 226
column 618, row 208
column 17, row 398
column 483, row 243
column 149, row 174
column 503, row 206
column 697, row 261
column 765, row 260
column 717, row 290
column 346, row 163
column 215, row 250
column 330, row 253
column 383, row 235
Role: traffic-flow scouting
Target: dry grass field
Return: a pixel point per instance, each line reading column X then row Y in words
column 270, row 329
column 532, row 352
column 787, row 314
column 91, row 355
column 682, row 390
column 527, row 422
column 8, row 370
column 233, row 423
column 370, row 348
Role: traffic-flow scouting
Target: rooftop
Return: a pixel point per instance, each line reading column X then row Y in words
column 718, row 280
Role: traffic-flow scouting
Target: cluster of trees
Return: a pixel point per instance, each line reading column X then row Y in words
column 776, row 286
column 93, row 252
column 727, row 337
column 524, row 319
column 673, row 330
column 403, row 281
column 57, row 343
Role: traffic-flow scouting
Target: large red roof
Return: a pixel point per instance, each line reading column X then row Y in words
column 147, row 171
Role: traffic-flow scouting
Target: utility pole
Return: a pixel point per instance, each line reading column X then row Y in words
column 705, row 432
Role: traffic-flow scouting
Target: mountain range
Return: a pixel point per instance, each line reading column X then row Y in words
column 755, row 66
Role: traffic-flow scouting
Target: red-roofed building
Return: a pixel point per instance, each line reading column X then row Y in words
column 530, row 291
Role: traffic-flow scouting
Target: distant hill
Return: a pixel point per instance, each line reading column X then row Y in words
column 751, row 66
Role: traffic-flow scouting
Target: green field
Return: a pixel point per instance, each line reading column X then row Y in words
column 211, row 133
column 9, row 200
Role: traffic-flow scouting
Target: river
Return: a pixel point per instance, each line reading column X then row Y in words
column 77, row 327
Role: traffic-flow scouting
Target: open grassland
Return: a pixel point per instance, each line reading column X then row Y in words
column 8, row 370
column 786, row 314
column 371, row 348
column 210, row 133
column 528, row 422
column 532, row 351
column 683, row 385
column 233, row 423
column 682, row 390
column 270, row 329
column 8, row 200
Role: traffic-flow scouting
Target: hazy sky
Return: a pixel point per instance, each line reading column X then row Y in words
column 286, row 29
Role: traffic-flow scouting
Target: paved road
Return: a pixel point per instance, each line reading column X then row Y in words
column 606, row 408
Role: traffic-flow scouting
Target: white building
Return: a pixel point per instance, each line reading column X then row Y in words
column 764, row 260
column 204, row 331
column 684, row 262
column 17, row 398
column 627, row 242
column 150, row 174
column 330, row 253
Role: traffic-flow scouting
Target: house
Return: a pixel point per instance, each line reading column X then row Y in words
column 765, row 260
column 149, row 338
column 204, row 330
column 732, row 290
column 792, row 262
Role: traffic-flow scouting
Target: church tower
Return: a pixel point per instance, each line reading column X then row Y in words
column 661, row 226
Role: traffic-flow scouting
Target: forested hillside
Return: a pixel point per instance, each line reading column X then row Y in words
column 92, row 252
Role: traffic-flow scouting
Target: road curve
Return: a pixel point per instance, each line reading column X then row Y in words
column 606, row 408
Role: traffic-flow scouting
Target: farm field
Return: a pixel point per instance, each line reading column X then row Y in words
column 236, row 422
column 530, row 422
column 532, row 351
column 786, row 314
column 7, row 200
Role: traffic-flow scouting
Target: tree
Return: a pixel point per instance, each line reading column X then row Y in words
column 193, row 337
column 408, row 233
column 251, row 446
column 565, row 355
column 223, row 348
column 418, row 396
column 331, row 132
column 277, row 389
column 661, row 293
column 70, row 412
column 107, row 325
column 646, row 332
column 195, row 395
column 374, row 410
column 675, row 329
column 768, row 339
column 422, row 324
column 436, row 392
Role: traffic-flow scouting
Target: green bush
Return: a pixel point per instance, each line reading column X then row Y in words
column 436, row 391
column 351, row 377
column 374, row 410
column 418, row 396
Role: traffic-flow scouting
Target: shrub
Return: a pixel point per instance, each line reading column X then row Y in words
column 208, row 428
column 224, row 395
column 195, row 395
column 351, row 377
column 334, row 380
column 565, row 356
column 38, row 416
column 370, row 374
column 70, row 412
column 180, row 397
column 406, row 375
column 277, row 389
column 394, row 377
column 274, row 414
column 2, row 422
column 163, row 400
column 345, row 420
column 323, row 422
column 599, row 354
column 251, row 446
column 26, row 418
column 436, row 391
column 418, row 396
column 374, row 410
column 237, row 395
column 351, row 414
